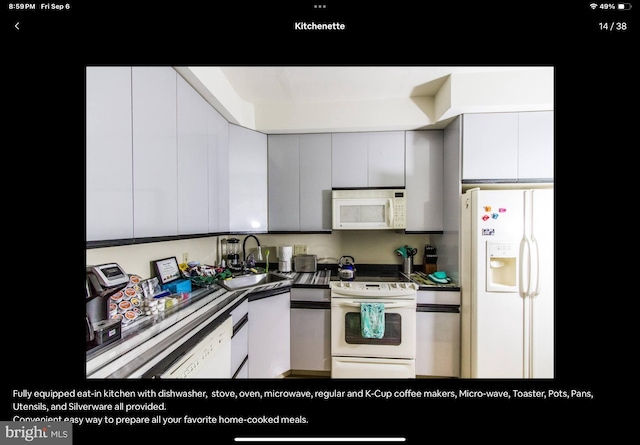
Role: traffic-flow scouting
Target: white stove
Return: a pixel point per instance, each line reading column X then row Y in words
column 391, row 354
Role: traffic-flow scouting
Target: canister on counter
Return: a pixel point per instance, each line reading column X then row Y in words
column 430, row 259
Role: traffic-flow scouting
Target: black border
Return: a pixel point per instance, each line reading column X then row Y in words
column 595, row 132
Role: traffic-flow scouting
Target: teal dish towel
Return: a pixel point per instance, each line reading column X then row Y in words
column 372, row 320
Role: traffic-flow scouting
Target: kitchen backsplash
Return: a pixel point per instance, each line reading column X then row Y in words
column 367, row 247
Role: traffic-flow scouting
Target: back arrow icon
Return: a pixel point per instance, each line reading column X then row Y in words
column 16, row 25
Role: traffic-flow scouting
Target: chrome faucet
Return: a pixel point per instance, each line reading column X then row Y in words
column 244, row 252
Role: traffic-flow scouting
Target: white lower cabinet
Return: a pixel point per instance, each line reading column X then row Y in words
column 269, row 334
column 243, row 372
column 240, row 340
column 310, row 329
column 438, row 334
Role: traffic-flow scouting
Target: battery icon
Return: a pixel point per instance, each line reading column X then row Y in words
column 624, row 6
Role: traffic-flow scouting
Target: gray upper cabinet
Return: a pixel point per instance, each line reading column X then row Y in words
column 157, row 157
column 536, row 145
column 369, row 159
column 109, row 185
column 218, row 133
column 155, row 192
column 424, row 180
column 315, row 182
column 193, row 168
column 299, row 182
column 507, row 147
column 349, row 160
column 386, row 159
column 247, row 180
column 284, row 182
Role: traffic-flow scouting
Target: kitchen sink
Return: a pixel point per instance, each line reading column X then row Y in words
column 253, row 280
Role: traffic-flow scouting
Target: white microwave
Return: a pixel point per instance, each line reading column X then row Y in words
column 368, row 209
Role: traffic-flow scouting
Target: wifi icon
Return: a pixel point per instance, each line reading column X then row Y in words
column 593, row 5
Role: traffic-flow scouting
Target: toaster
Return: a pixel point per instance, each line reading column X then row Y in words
column 305, row 263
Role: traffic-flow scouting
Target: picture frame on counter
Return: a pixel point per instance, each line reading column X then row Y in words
column 167, row 270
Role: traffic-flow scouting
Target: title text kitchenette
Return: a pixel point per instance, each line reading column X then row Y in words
column 313, row 26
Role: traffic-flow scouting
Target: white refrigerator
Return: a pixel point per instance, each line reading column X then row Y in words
column 507, row 283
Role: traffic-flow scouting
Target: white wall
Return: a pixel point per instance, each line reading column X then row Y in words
column 500, row 92
column 379, row 115
column 136, row 259
column 366, row 247
column 212, row 84
column 515, row 89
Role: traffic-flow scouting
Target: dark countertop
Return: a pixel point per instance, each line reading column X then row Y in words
column 201, row 302
column 215, row 299
column 364, row 272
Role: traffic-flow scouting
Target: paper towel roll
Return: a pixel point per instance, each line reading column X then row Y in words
column 286, row 252
column 284, row 266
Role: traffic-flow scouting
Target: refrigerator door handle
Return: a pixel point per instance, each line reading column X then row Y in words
column 525, row 247
column 528, row 242
column 536, row 289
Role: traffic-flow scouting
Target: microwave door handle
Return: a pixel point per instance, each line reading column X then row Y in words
column 390, row 212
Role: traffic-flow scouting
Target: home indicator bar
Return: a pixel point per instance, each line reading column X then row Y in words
column 320, row 439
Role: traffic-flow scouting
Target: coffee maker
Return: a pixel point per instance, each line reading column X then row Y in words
column 233, row 254
column 101, row 283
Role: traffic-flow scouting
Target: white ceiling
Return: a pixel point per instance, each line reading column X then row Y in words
column 290, row 99
column 304, row 84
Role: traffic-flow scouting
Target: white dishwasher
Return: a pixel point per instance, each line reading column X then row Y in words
column 207, row 355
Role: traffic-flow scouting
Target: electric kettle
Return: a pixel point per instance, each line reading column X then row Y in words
column 346, row 268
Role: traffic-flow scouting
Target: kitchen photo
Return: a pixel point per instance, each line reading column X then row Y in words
column 320, row 222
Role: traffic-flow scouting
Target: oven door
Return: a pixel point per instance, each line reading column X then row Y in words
column 398, row 341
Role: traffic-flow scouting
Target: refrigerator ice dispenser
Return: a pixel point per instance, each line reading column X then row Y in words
column 502, row 266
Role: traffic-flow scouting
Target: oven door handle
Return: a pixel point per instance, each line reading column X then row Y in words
column 389, row 305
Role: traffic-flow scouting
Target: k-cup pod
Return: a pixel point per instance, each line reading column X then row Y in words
column 117, row 297
column 129, row 293
column 124, row 306
column 129, row 316
column 113, row 309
